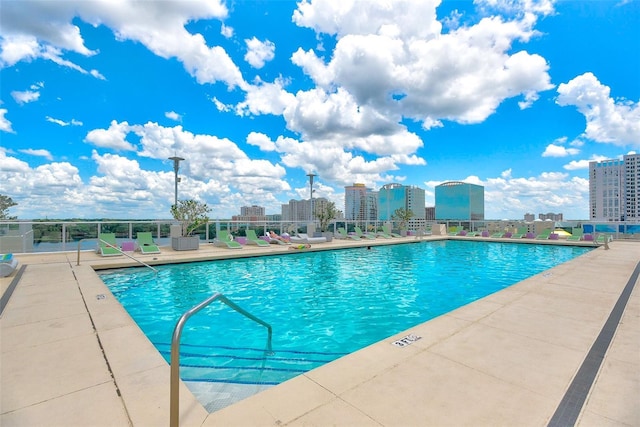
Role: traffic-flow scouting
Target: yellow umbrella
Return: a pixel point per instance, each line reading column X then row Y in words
column 561, row 233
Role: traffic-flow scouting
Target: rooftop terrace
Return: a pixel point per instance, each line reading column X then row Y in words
column 523, row 356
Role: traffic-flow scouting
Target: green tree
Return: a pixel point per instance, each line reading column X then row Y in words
column 5, row 203
column 191, row 214
column 325, row 213
column 402, row 217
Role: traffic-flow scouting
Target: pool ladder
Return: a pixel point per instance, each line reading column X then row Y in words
column 174, row 409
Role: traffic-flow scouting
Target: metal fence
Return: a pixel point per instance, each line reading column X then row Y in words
column 56, row 236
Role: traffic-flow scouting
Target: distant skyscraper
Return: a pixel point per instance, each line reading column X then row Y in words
column 252, row 211
column 396, row 196
column 614, row 189
column 552, row 216
column 459, row 201
column 360, row 203
column 300, row 210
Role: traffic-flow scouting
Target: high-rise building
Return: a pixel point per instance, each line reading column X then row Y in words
column 360, row 203
column 430, row 213
column 552, row 216
column 457, row 200
column 632, row 187
column 252, row 210
column 300, row 210
column 396, row 196
column 614, row 188
column 250, row 213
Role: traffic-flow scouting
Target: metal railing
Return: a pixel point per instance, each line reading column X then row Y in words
column 61, row 236
column 116, row 248
column 174, row 412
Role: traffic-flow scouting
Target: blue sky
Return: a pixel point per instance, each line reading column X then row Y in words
column 517, row 96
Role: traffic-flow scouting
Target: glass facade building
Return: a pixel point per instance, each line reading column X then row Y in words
column 396, row 196
column 459, row 201
column 360, row 203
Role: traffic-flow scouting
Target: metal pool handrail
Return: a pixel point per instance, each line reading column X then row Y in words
column 174, row 415
column 118, row 249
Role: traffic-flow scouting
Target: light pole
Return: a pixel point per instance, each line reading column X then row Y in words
column 176, row 166
column 311, row 175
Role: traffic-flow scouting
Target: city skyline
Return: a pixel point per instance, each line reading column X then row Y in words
column 516, row 96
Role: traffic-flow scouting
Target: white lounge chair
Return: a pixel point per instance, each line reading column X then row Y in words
column 304, row 238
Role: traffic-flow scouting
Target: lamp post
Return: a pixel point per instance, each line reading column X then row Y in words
column 311, row 175
column 176, row 166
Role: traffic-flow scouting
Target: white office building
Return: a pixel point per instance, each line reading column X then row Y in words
column 614, row 188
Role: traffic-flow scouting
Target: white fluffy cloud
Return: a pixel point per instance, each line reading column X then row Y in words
column 44, row 29
column 5, row 124
column 554, row 150
column 608, row 120
column 114, row 137
column 40, row 153
column 259, row 52
column 24, row 97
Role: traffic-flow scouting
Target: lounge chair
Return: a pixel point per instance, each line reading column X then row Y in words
column 342, row 234
column 304, row 238
column 273, row 241
column 384, row 234
column 8, row 264
column 387, row 229
column 361, row 235
column 252, row 239
column 145, row 242
column 498, row 235
column 472, row 234
column 603, row 238
column 225, row 240
column 107, row 245
column 522, row 231
column 576, row 235
column 455, row 231
column 544, row 235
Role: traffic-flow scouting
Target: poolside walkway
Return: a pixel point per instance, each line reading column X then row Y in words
column 71, row 356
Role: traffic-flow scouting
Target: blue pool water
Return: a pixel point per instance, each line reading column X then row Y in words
column 322, row 305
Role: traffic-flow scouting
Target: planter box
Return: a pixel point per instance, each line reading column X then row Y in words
column 188, row 243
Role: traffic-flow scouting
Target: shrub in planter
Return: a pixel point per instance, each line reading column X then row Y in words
column 191, row 214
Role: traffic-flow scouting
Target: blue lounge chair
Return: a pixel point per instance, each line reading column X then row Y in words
column 145, row 242
column 225, row 240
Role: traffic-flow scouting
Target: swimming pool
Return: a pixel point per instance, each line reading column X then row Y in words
column 321, row 305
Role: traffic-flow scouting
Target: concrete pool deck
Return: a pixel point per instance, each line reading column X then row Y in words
column 71, row 356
